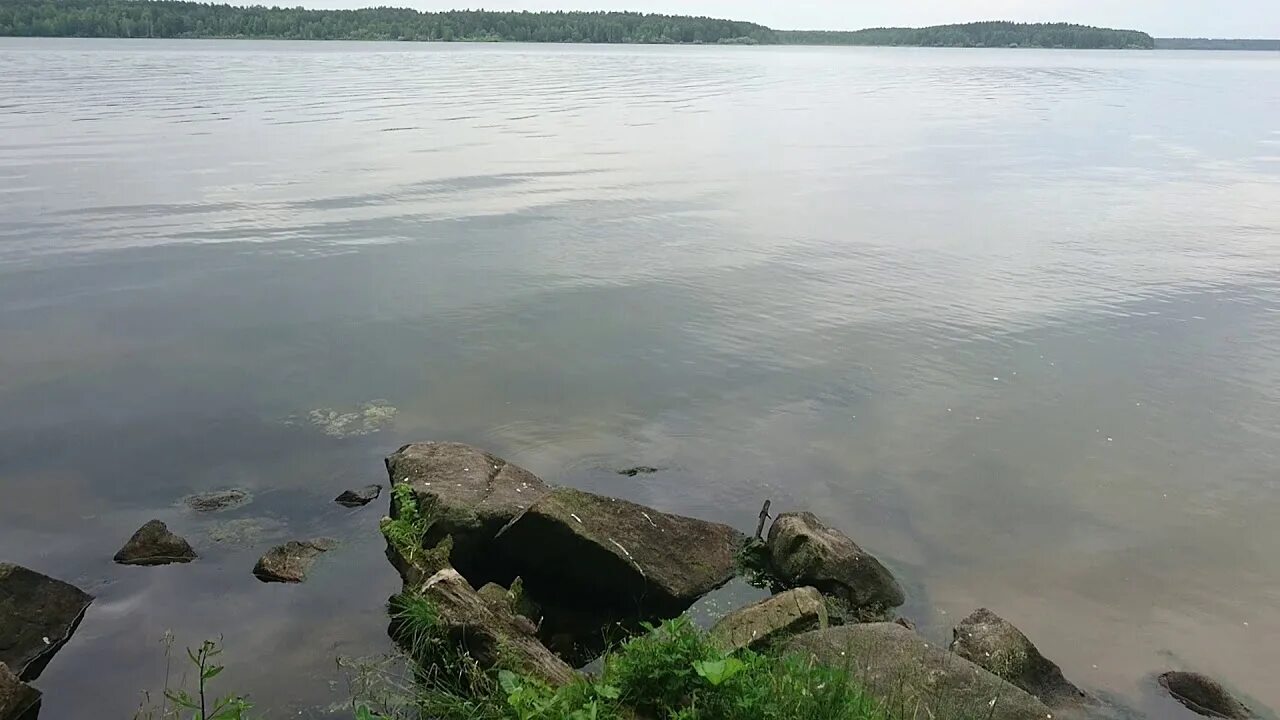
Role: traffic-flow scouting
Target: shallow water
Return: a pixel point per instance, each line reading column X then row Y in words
column 1009, row 318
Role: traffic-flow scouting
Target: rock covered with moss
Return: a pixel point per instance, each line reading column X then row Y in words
column 766, row 621
column 619, row 552
column 155, row 544
column 1204, row 695
column 453, row 617
column 472, row 495
column 18, row 700
column 996, row 645
column 902, row 668
column 804, row 551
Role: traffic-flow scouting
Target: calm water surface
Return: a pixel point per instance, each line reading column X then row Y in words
column 1010, row 319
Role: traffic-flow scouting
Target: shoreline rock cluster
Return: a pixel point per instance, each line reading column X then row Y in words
column 587, row 564
column 524, row 574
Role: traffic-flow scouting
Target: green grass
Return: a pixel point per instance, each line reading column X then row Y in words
column 671, row 673
column 407, row 531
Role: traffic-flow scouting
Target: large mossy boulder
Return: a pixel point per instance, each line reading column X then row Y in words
column 905, row 670
column 996, row 645
column 37, row 616
column 490, row 633
column 469, row 494
column 804, row 551
column 18, row 700
column 767, row 621
column 1204, row 696
column 608, row 551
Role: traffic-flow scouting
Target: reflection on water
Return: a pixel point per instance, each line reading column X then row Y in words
column 1009, row 318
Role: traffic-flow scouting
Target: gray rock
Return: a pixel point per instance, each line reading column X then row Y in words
column 218, row 500
column 18, row 701
column 490, row 634
column 805, row 551
column 359, row 497
column 290, row 562
column 1204, row 696
column 154, row 544
column 771, row 619
column 993, row 643
column 905, row 670
column 468, row 493
column 37, row 616
column 615, row 551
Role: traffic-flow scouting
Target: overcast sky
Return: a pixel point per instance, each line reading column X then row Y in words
column 1180, row 18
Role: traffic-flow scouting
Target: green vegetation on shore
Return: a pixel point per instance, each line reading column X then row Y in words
column 673, row 673
column 170, row 19
column 164, row 19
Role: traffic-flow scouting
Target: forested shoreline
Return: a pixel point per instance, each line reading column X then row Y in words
column 980, row 34
column 171, row 19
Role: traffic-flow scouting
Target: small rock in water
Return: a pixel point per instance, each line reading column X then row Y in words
column 155, row 544
column 218, row 500
column 638, row 470
column 290, row 562
column 360, row 497
column 1204, row 695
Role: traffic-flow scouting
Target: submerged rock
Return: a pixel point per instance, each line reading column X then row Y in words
column 247, row 532
column 993, row 643
column 614, row 551
column 766, row 621
column 805, row 551
column 491, row 634
column 218, row 500
column 37, row 616
column 154, row 544
column 18, row 701
column 290, row 562
column 366, row 419
column 903, row 669
column 468, row 493
column 1204, row 695
column 359, row 497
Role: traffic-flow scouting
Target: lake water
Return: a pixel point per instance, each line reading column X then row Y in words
column 1011, row 319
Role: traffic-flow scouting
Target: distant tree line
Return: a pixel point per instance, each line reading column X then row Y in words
column 164, row 19
column 170, row 19
column 982, row 34
column 1216, row 44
